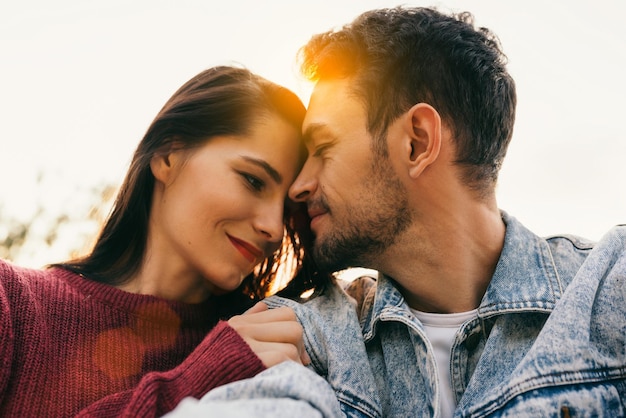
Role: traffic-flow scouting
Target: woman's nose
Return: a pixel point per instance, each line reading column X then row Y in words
column 269, row 221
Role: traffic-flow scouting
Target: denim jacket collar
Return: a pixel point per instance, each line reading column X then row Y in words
column 537, row 290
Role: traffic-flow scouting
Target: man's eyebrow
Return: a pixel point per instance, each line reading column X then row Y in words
column 265, row 166
column 315, row 129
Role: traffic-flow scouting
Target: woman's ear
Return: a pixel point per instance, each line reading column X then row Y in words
column 423, row 126
column 163, row 164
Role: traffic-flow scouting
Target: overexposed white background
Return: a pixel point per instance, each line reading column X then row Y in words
column 80, row 81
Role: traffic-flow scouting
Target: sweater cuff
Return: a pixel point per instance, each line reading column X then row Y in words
column 222, row 357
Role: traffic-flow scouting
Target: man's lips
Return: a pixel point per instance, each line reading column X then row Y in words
column 315, row 214
column 249, row 251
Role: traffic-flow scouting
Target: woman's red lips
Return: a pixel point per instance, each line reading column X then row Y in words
column 249, row 251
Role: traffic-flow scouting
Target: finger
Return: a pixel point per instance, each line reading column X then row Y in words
column 304, row 357
column 283, row 332
column 289, row 332
column 270, row 315
column 274, row 353
column 258, row 307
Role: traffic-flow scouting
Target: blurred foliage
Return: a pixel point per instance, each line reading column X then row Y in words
column 47, row 236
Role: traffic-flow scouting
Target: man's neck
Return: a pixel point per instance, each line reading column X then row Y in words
column 445, row 263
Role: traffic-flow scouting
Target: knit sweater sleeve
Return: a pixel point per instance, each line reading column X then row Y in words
column 222, row 357
column 6, row 333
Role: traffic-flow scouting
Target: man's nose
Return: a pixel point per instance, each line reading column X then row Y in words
column 304, row 185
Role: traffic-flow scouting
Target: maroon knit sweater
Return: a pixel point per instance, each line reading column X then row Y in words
column 69, row 345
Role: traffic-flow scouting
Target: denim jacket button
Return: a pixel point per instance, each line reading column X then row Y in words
column 472, row 341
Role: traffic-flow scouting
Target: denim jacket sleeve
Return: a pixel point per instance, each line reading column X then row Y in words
column 337, row 383
column 285, row 390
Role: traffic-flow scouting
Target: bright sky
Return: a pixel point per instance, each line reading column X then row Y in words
column 81, row 81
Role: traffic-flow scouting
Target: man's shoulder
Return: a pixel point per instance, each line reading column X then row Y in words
column 333, row 298
column 570, row 243
column 360, row 286
column 337, row 307
column 568, row 253
column 360, row 289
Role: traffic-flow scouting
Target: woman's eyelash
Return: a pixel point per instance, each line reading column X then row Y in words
column 254, row 182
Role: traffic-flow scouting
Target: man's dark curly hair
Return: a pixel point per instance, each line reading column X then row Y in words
column 398, row 57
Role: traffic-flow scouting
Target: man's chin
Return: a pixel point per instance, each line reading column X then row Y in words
column 328, row 261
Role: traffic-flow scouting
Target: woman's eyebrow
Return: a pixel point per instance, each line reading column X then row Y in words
column 271, row 171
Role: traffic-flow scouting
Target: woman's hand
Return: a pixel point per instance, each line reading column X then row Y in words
column 275, row 335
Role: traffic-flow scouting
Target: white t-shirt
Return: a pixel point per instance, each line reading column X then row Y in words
column 440, row 330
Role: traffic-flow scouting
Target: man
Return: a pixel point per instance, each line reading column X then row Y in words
column 407, row 127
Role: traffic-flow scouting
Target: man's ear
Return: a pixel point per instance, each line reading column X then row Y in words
column 423, row 126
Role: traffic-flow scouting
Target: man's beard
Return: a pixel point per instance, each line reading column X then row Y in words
column 370, row 226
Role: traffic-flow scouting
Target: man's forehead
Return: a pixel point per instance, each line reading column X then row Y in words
column 331, row 103
column 328, row 91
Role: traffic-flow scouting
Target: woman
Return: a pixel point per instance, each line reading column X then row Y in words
column 195, row 236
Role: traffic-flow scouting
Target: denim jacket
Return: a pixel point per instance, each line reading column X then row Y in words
column 535, row 349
